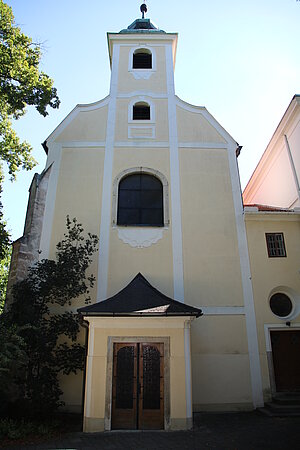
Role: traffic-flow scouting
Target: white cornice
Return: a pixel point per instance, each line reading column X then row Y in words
column 71, row 116
column 272, row 216
column 140, row 38
column 213, row 122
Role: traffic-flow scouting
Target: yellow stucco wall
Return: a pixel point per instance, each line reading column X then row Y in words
column 219, row 362
column 157, row 81
column 86, row 126
column 210, row 250
column 79, row 192
column 160, row 123
column 193, row 127
column 154, row 262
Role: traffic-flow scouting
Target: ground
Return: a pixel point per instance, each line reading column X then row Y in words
column 228, row 431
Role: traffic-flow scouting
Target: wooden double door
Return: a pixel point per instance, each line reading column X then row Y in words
column 138, row 386
column 286, row 360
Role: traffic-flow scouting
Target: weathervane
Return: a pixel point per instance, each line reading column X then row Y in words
column 143, row 9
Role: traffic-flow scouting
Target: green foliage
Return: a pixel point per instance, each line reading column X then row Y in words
column 4, row 235
column 13, row 360
column 21, row 84
column 5, row 254
column 20, row 429
column 4, row 269
column 49, row 332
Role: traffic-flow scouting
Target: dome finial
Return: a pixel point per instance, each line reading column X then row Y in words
column 143, row 9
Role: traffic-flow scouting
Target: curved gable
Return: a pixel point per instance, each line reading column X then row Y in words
column 85, row 123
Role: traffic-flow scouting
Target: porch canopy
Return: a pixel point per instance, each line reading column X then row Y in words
column 139, row 298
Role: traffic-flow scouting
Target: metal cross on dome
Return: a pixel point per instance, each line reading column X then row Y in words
column 143, row 9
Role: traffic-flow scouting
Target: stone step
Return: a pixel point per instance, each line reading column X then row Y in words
column 271, row 413
column 282, row 406
column 287, row 398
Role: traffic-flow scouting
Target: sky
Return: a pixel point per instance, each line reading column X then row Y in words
column 240, row 59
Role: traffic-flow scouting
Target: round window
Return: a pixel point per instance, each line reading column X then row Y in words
column 281, row 304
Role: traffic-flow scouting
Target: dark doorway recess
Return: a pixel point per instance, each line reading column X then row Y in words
column 138, row 386
column 286, row 361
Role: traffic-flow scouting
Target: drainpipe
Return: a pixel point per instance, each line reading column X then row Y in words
column 188, row 373
column 292, row 165
column 85, row 325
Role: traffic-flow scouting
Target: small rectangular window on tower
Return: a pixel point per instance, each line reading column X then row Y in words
column 275, row 245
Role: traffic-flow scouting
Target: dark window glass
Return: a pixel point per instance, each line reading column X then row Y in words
column 141, row 112
column 281, row 304
column 140, row 201
column 151, row 377
column 124, row 374
column 275, row 245
column 142, row 60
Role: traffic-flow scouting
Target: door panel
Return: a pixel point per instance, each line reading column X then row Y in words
column 286, row 361
column 124, row 392
column 138, row 386
column 151, row 401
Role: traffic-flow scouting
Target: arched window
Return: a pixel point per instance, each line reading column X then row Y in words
column 140, row 201
column 141, row 111
column 142, row 59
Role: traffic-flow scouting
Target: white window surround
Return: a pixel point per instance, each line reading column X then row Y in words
column 149, row 171
column 142, row 73
column 294, row 298
column 139, row 99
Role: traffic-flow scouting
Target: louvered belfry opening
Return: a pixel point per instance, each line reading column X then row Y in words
column 141, row 111
column 142, row 60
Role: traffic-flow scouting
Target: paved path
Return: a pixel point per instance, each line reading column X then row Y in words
column 231, row 431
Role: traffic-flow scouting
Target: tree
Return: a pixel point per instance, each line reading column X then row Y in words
column 39, row 317
column 4, row 269
column 4, row 234
column 21, row 84
column 5, row 254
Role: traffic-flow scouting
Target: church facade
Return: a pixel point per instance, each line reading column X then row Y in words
column 174, row 327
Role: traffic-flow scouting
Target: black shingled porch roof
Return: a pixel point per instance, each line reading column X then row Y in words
column 139, row 298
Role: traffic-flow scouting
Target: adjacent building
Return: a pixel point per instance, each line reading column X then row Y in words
column 272, row 217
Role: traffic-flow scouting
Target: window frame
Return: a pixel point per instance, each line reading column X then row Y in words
column 280, row 248
column 292, row 305
column 142, row 46
column 141, row 99
column 136, row 194
column 165, row 193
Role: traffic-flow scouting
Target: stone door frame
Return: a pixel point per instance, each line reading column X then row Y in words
column 109, row 374
column 275, row 327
